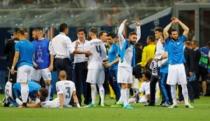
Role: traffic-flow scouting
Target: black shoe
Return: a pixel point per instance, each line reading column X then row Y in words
column 24, row 105
column 150, row 104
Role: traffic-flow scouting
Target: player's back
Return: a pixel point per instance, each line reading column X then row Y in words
column 66, row 88
column 26, row 50
column 98, row 53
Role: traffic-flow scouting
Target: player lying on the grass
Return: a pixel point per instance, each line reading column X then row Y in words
column 65, row 92
column 13, row 94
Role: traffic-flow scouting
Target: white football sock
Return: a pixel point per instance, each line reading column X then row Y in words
column 173, row 94
column 49, row 91
column 185, row 94
column 93, row 93
column 101, row 93
column 24, row 92
column 126, row 97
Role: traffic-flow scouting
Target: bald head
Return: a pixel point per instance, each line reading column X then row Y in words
column 62, row 75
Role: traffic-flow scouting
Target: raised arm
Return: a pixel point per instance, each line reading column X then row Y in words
column 184, row 27
column 120, row 32
column 138, row 30
column 165, row 31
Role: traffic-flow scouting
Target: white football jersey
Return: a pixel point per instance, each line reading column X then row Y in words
column 67, row 88
column 98, row 50
column 127, row 60
column 145, row 88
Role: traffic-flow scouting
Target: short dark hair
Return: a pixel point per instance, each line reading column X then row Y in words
column 151, row 38
column 21, row 30
column 173, row 30
column 38, row 29
column 81, row 30
column 44, row 94
column 147, row 74
column 101, row 33
column 132, row 33
column 94, row 30
column 159, row 29
column 194, row 42
column 62, row 27
column 188, row 42
column 112, row 34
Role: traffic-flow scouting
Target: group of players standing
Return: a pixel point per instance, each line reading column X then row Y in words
column 37, row 59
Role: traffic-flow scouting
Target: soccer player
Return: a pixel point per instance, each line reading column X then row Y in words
column 65, row 91
column 24, row 52
column 144, row 90
column 176, row 69
column 96, row 74
column 43, row 59
column 126, row 62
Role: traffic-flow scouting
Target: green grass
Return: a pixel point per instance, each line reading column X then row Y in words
column 201, row 112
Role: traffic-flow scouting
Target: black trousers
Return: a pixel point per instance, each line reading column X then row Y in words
column 79, row 78
column 196, row 87
column 63, row 64
column 153, row 82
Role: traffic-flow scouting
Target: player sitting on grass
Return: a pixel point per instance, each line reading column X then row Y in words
column 65, row 91
column 144, row 90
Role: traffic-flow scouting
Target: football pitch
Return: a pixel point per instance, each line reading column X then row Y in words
column 201, row 112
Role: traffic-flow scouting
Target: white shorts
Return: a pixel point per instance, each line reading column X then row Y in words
column 24, row 73
column 95, row 76
column 51, row 104
column 44, row 73
column 125, row 75
column 143, row 99
column 176, row 74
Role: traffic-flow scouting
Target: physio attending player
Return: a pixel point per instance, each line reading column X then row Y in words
column 13, row 93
